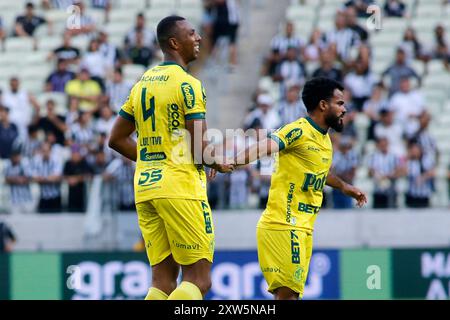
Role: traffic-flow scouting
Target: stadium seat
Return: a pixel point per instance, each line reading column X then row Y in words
column 298, row 13
column 386, row 38
column 36, row 57
column 9, row 71
column 48, row 43
column 59, row 98
column 7, row 59
column 19, row 44
column 124, row 15
column 436, row 66
column 418, row 66
column 57, row 15
column 81, row 42
column 136, row 4
column 328, row 12
column 33, row 86
column 154, row 4
column 393, row 24
column 437, row 80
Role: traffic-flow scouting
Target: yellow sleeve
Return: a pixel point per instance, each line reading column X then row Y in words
column 287, row 136
column 194, row 97
column 96, row 89
column 70, row 87
column 127, row 109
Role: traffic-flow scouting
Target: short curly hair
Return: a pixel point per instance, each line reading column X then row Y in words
column 318, row 89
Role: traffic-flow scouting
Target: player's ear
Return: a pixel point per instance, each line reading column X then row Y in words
column 322, row 105
column 173, row 43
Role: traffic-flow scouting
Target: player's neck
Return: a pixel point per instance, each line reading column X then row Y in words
column 319, row 121
column 168, row 57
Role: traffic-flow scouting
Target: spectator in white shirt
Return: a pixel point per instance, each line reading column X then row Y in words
column 265, row 113
column 387, row 128
column 312, row 49
column 360, row 83
column 96, row 63
column 407, row 104
column 105, row 123
column 22, row 105
column 148, row 35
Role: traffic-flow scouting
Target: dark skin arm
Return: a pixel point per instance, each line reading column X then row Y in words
column 347, row 189
column 262, row 148
column 120, row 139
column 204, row 154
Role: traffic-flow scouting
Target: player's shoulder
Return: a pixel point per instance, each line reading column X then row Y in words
column 295, row 127
column 187, row 78
column 290, row 133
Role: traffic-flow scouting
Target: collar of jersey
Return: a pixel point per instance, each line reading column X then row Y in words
column 171, row 63
column 316, row 126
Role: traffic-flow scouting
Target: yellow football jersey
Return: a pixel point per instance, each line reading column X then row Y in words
column 301, row 170
column 159, row 105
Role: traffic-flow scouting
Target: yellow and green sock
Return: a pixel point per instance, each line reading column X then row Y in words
column 186, row 291
column 156, row 294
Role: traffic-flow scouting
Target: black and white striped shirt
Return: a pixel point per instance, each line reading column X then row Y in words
column 282, row 43
column 123, row 173
column 416, row 168
column 345, row 40
column 82, row 135
column 383, row 164
column 289, row 112
column 428, row 144
column 20, row 193
column 47, row 168
column 344, row 162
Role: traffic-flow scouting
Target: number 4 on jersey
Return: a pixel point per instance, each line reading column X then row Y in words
column 150, row 112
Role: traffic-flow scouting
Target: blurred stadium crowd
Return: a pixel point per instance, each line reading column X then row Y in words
column 63, row 80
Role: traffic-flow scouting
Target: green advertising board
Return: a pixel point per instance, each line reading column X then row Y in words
column 421, row 274
column 35, row 276
column 365, row 274
column 4, row 277
column 105, row 275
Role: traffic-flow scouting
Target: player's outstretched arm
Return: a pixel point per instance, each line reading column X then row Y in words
column 120, row 139
column 347, row 189
column 263, row 148
column 202, row 152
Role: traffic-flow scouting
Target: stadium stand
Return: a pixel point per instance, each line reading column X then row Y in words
column 28, row 59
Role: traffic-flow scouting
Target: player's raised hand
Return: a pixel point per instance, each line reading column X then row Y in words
column 356, row 194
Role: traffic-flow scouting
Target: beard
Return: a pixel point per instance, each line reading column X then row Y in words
column 335, row 122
